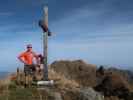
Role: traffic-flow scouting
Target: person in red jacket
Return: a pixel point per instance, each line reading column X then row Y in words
column 27, row 58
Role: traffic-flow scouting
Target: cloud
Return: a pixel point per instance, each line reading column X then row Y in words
column 98, row 35
column 18, row 31
column 76, row 25
column 6, row 13
column 100, row 52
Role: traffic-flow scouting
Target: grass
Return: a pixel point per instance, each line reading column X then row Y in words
column 10, row 91
column 24, row 94
column 62, row 81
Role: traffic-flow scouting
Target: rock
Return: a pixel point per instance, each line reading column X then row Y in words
column 112, row 98
column 90, row 94
column 57, row 96
column 84, row 74
column 50, row 93
column 113, row 84
column 70, row 95
column 82, row 94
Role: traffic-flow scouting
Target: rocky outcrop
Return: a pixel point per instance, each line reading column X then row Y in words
column 127, row 74
column 90, row 94
column 112, row 84
column 82, row 73
column 73, row 94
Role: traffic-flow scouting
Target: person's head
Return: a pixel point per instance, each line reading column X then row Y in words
column 40, row 56
column 29, row 47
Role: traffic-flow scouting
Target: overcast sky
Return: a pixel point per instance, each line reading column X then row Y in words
column 97, row 31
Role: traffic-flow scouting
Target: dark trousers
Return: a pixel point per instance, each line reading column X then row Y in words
column 29, row 69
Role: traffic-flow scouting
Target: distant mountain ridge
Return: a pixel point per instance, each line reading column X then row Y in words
column 125, row 73
column 3, row 75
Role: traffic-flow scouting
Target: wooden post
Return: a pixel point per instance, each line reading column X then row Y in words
column 45, row 44
column 44, row 25
column 18, row 76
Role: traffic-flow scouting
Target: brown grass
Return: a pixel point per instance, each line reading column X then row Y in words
column 61, row 81
column 4, row 86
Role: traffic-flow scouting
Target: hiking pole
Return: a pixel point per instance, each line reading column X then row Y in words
column 44, row 25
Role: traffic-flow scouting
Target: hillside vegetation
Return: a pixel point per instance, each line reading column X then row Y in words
column 74, row 80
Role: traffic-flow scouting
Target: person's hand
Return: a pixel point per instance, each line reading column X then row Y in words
column 25, row 63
